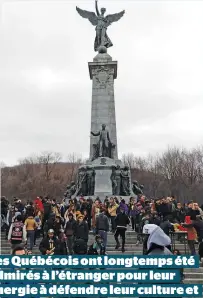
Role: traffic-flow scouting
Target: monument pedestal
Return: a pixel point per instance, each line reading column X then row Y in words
column 103, row 72
column 103, row 176
column 103, row 171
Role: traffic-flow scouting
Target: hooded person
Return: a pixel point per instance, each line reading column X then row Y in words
column 147, row 230
column 158, row 243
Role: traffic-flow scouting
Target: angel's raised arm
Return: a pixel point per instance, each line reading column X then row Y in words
column 96, row 7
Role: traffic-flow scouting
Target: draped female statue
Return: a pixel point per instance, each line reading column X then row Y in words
column 101, row 22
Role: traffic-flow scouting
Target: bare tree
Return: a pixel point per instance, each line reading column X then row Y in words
column 74, row 161
column 49, row 160
column 129, row 159
column 176, row 171
column 153, row 166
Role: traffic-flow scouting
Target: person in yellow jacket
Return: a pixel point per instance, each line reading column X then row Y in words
column 112, row 212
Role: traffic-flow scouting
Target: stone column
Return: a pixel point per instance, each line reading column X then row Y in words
column 103, row 71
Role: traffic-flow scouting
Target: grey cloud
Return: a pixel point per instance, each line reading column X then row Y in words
column 45, row 89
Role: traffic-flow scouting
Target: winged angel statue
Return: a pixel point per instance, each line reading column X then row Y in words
column 101, row 22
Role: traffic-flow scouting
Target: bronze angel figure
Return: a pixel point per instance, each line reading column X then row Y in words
column 101, row 22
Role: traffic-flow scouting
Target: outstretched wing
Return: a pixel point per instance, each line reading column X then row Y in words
column 111, row 18
column 91, row 16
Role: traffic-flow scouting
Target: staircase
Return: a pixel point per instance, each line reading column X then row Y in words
column 191, row 275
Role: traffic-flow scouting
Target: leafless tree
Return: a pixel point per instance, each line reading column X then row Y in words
column 74, row 161
column 49, row 160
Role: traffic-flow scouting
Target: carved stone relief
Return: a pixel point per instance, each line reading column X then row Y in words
column 103, row 77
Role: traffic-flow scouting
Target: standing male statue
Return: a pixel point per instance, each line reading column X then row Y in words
column 104, row 145
column 101, row 22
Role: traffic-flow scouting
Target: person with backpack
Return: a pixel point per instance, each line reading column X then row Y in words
column 17, row 232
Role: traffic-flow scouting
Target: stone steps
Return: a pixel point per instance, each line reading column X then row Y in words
column 194, row 275
column 192, row 280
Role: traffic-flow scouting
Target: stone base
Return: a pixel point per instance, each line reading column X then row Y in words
column 103, row 183
column 103, row 170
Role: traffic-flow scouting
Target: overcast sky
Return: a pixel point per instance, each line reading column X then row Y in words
column 45, row 90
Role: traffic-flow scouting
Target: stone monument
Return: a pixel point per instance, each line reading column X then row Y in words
column 103, row 174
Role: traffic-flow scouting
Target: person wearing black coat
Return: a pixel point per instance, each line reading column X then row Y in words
column 47, row 209
column 69, row 232
column 121, row 222
column 57, row 226
column 49, row 224
column 81, row 230
column 50, row 245
column 166, row 226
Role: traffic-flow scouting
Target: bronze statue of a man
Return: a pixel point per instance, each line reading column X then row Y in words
column 104, row 141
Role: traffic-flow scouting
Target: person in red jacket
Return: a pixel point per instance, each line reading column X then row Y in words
column 38, row 204
column 191, row 234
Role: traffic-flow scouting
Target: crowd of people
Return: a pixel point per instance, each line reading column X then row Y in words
column 64, row 226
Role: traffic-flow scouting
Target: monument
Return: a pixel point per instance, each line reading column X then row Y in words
column 103, row 174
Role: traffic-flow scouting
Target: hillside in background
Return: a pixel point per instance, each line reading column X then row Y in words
column 176, row 172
